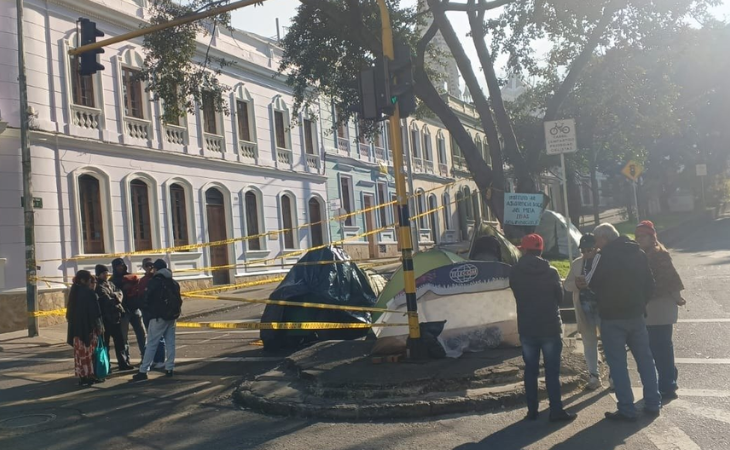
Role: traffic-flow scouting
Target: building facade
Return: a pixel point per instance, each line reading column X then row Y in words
column 110, row 176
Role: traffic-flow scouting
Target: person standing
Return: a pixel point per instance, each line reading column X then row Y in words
column 623, row 283
column 662, row 310
column 159, row 359
column 110, row 302
column 84, row 325
column 537, row 290
column 586, row 306
column 162, row 299
column 127, row 283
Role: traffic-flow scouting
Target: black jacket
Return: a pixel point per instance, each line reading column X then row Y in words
column 154, row 294
column 110, row 302
column 622, row 280
column 83, row 314
column 537, row 289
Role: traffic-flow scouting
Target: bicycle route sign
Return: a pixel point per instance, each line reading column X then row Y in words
column 560, row 137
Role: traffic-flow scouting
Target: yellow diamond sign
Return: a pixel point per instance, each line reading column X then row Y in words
column 632, row 170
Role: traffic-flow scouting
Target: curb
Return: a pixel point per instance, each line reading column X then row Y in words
column 308, row 407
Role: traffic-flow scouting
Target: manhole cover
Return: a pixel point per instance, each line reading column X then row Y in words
column 30, row 420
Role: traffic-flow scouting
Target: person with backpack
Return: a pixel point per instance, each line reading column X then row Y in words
column 163, row 301
column 140, row 288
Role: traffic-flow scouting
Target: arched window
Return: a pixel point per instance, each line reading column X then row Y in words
column 179, row 215
column 433, row 216
column 447, row 211
column 140, row 204
column 422, row 219
column 427, row 150
column 288, row 222
column 316, row 225
column 468, row 205
column 415, row 141
column 92, row 222
column 253, row 220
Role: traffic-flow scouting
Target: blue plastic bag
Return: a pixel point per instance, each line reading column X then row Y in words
column 101, row 360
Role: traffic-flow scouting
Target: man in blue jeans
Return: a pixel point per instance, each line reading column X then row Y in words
column 537, row 289
column 623, row 283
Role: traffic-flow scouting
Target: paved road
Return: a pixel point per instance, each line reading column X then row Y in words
column 194, row 409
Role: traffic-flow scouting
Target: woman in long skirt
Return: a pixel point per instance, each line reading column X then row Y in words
column 85, row 325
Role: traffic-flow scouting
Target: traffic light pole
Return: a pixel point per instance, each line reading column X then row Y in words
column 415, row 349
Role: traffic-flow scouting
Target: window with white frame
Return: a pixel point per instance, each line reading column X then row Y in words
column 288, row 221
column 140, row 204
column 254, row 220
column 441, row 147
column 280, row 112
column 447, row 211
column 468, row 204
column 422, row 216
column 243, row 118
column 179, row 215
column 133, row 92
column 415, row 142
column 310, row 133
column 211, row 119
column 91, row 212
column 382, row 191
column 82, row 86
column 426, row 136
column 341, row 125
column 347, row 196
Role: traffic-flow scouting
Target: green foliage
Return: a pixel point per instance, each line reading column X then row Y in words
column 173, row 72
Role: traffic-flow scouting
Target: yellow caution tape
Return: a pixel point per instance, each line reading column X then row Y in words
column 289, row 303
column 286, row 325
column 54, row 312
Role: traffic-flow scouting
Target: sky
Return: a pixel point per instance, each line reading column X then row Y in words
column 262, row 20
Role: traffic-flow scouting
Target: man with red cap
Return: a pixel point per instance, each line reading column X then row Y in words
column 537, row 289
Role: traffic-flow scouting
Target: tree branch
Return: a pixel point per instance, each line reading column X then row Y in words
column 579, row 63
column 481, row 7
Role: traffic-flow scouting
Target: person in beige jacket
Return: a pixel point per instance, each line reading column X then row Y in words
column 586, row 306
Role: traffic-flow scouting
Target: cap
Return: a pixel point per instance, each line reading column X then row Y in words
column 532, row 242
column 587, row 241
column 645, row 227
column 100, row 268
column 160, row 264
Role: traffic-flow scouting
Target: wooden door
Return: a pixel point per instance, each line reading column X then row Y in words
column 216, row 212
column 369, row 202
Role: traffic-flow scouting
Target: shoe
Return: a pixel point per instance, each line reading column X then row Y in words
column 139, row 376
column 594, row 383
column 168, row 373
column 98, row 380
column 671, row 395
column 126, row 368
column 619, row 417
column 562, row 416
column 86, row 382
column 532, row 415
column 652, row 412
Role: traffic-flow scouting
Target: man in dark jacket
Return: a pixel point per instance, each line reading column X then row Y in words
column 537, row 289
column 623, row 283
column 161, row 290
column 139, row 292
column 127, row 283
column 110, row 302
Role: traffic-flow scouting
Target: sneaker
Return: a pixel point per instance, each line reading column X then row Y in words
column 594, row 383
column 532, row 415
column 671, row 395
column 139, row 376
column 619, row 417
column 168, row 373
column 126, row 368
column 562, row 416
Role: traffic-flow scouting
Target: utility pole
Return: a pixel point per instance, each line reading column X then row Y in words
column 416, row 350
column 31, row 286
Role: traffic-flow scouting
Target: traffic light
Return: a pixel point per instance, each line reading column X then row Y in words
column 401, row 79
column 88, row 64
column 368, row 103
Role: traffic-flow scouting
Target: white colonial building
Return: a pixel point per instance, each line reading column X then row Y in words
column 114, row 178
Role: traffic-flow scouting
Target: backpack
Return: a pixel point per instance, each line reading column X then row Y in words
column 171, row 300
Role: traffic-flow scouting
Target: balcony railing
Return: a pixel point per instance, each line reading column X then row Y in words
column 379, row 153
column 284, row 157
column 213, row 143
column 428, row 165
column 390, row 155
column 313, row 162
column 175, row 134
column 343, row 145
column 443, row 170
column 364, row 150
column 418, row 164
column 137, row 128
column 85, row 117
column 249, row 150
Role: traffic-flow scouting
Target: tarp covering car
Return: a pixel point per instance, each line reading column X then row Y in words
column 321, row 276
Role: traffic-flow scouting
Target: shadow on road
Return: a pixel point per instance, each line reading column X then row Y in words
column 712, row 237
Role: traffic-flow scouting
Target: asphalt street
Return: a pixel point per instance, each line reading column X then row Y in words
column 42, row 408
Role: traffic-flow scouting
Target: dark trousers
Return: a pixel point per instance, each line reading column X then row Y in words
column 160, row 346
column 134, row 319
column 662, row 348
column 114, row 331
column 551, row 349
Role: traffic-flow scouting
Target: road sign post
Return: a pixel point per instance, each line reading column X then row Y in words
column 633, row 170
column 560, row 139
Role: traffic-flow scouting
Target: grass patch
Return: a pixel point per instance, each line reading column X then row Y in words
column 563, row 266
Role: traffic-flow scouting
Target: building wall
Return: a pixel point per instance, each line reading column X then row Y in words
column 70, row 140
